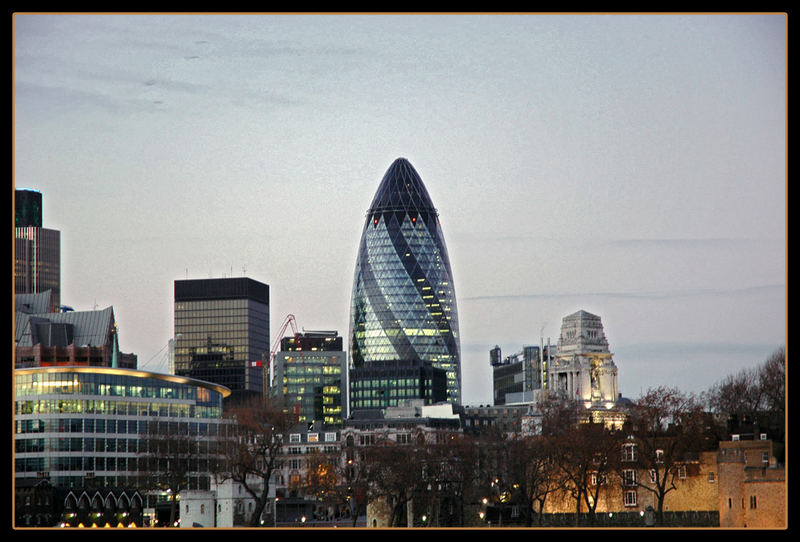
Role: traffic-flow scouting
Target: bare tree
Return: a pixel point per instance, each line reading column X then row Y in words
column 167, row 455
column 772, row 380
column 754, row 399
column 338, row 479
column 585, row 453
column 393, row 473
column 668, row 430
column 448, row 473
column 530, row 473
column 251, row 452
column 738, row 395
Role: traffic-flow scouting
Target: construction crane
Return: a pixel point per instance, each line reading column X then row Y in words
column 288, row 321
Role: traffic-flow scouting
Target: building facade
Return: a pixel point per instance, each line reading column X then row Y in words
column 87, row 427
column 584, row 368
column 505, row 419
column 37, row 250
column 222, row 333
column 403, row 305
column 516, row 377
column 752, row 485
column 27, row 208
column 81, row 338
column 311, row 376
column 388, row 383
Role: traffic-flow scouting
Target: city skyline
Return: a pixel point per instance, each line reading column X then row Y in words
column 633, row 166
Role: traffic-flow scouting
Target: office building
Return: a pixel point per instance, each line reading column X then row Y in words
column 86, row 427
column 389, row 383
column 503, row 419
column 311, row 376
column 403, row 305
column 37, row 250
column 222, row 333
column 81, row 338
column 519, row 377
column 27, row 208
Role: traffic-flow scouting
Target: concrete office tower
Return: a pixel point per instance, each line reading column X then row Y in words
column 403, row 306
column 583, row 368
column 520, row 377
column 37, row 250
column 222, row 333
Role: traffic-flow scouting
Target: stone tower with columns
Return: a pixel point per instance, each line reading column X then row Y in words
column 583, row 368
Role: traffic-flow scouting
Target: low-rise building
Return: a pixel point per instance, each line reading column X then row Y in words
column 752, row 485
column 69, row 338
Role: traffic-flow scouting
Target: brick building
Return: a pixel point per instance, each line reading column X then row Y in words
column 752, row 485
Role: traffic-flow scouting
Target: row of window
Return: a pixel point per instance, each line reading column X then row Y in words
column 216, row 304
column 115, row 408
column 200, row 481
column 402, row 393
column 106, row 385
column 113, row 426
column 753, row 502
column 92, row 464
column 312, row 437
column 629, row 476
column 299, row 380
column 89, row 444
column 378, row 403
column 383, row 383
column 309, row 361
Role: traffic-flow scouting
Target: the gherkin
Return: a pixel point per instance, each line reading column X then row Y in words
column 403, row 305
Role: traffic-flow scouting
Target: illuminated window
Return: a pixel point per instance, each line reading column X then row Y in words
column 629, row 477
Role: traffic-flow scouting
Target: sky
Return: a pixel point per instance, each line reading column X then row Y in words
column 629, row 165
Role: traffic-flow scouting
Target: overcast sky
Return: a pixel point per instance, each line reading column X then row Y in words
column 633, row 166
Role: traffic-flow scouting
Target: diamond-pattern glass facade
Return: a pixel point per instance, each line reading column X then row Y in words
column 403, row 305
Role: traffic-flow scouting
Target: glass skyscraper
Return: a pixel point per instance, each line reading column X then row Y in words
column 37, row 250
column 403, row 306
column 311, row 376
column 222, row 333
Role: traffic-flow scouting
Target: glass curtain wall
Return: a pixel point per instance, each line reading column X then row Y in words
column 403, row 305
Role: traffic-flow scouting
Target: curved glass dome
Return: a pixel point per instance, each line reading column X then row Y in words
column 403, row 305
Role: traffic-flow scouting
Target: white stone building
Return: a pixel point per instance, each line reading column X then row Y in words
column 583, row 368
column 226, row 504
